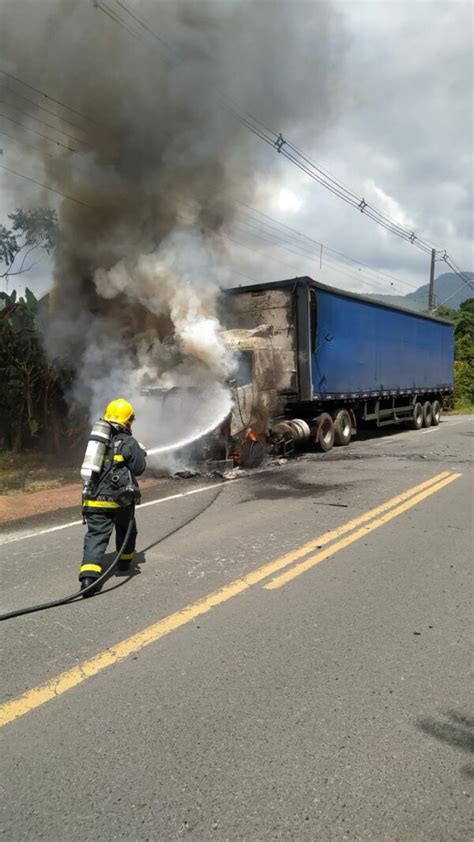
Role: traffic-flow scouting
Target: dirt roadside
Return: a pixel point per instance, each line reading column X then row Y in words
column 19, row 506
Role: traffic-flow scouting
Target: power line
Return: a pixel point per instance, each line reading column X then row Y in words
column 268, row 256
column 303, row 161
column 51, row 189
column 457, row 271
column 297, row 270
column 297, row 234
column 243, row 275
column 337, row 188
column 280, row 244
column 25, row 143
column 315, row 258
column 30, row 145
column 323, row 173
column 47, row 110
column 226, row 236
column 42, row 122
column 146, row 28
column 20, row 140
column 345, row 257
column 453, row 265
column 45, row 137
column 341, row 193
column 268, row 135
column 116, row 18
column 306, row 165
column 310, row 256
column 442, row 303
column 47, row 96
column 273, row 236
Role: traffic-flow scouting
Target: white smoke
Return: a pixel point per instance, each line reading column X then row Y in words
column 179, row 280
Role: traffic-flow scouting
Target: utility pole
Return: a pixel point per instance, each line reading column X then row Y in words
column 431, row 288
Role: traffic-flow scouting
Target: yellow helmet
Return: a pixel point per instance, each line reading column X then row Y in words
column 119, row 411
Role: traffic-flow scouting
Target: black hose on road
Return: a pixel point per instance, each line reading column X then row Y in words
column 44, row 605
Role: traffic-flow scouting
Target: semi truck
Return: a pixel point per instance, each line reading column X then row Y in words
column 316, row 363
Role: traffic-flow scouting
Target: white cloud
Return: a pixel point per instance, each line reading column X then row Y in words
column 387, row 204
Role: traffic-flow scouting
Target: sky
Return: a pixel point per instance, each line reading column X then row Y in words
column 399, row 133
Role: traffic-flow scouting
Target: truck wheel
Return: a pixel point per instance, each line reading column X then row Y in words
column 417, row 417
column 325, row 433
column 435, row 413
column 342, row 427
column 427, row 414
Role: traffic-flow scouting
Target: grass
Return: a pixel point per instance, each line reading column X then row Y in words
column 34, row 472
column 460, row 407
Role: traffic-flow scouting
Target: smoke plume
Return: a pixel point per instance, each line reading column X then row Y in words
column 160, row 163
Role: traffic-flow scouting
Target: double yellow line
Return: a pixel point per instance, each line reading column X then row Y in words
column 333, row 541
column 377, row 517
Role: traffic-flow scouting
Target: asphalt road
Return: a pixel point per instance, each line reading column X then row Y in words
column 256, row 678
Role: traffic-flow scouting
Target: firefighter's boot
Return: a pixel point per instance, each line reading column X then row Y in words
column 85, row 582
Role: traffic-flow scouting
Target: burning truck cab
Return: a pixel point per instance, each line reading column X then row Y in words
column 243, row 437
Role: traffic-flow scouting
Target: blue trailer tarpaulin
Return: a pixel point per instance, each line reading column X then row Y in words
column 363, row 347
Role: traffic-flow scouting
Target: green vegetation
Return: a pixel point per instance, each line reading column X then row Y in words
column 36, row 471
column 34, row 412
column 31, row 230
column 31, row 389
column 463, row 320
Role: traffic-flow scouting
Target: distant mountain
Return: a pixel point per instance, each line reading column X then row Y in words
column 448, row 290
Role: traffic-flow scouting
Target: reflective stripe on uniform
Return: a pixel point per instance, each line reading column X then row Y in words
column 90, row 568
column 126, row 556
column 117, row 458
column 100, row 504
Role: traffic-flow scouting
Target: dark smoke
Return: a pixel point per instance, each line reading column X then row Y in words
column 160, row 160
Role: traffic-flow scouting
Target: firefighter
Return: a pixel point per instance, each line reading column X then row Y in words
column 108, row 499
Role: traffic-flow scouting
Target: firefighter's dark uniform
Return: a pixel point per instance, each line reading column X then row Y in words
column 104, row 507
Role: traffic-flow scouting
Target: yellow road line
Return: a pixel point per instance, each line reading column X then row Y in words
column 37, row 696
column 281, row 580
column 327, row 537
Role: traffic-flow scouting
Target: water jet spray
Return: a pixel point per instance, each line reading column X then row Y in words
column 194, row 437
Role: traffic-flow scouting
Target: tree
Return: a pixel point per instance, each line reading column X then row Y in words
column 31, row 390
column 30, row 230
column 463, row 321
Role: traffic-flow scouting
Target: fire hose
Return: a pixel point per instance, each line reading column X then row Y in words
column 81, row 593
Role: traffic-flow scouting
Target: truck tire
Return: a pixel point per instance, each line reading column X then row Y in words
column 342, row 427
column 251, row 454
column 435, row 413
column 427, row 414
column 325, row 432
column 417, row 417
